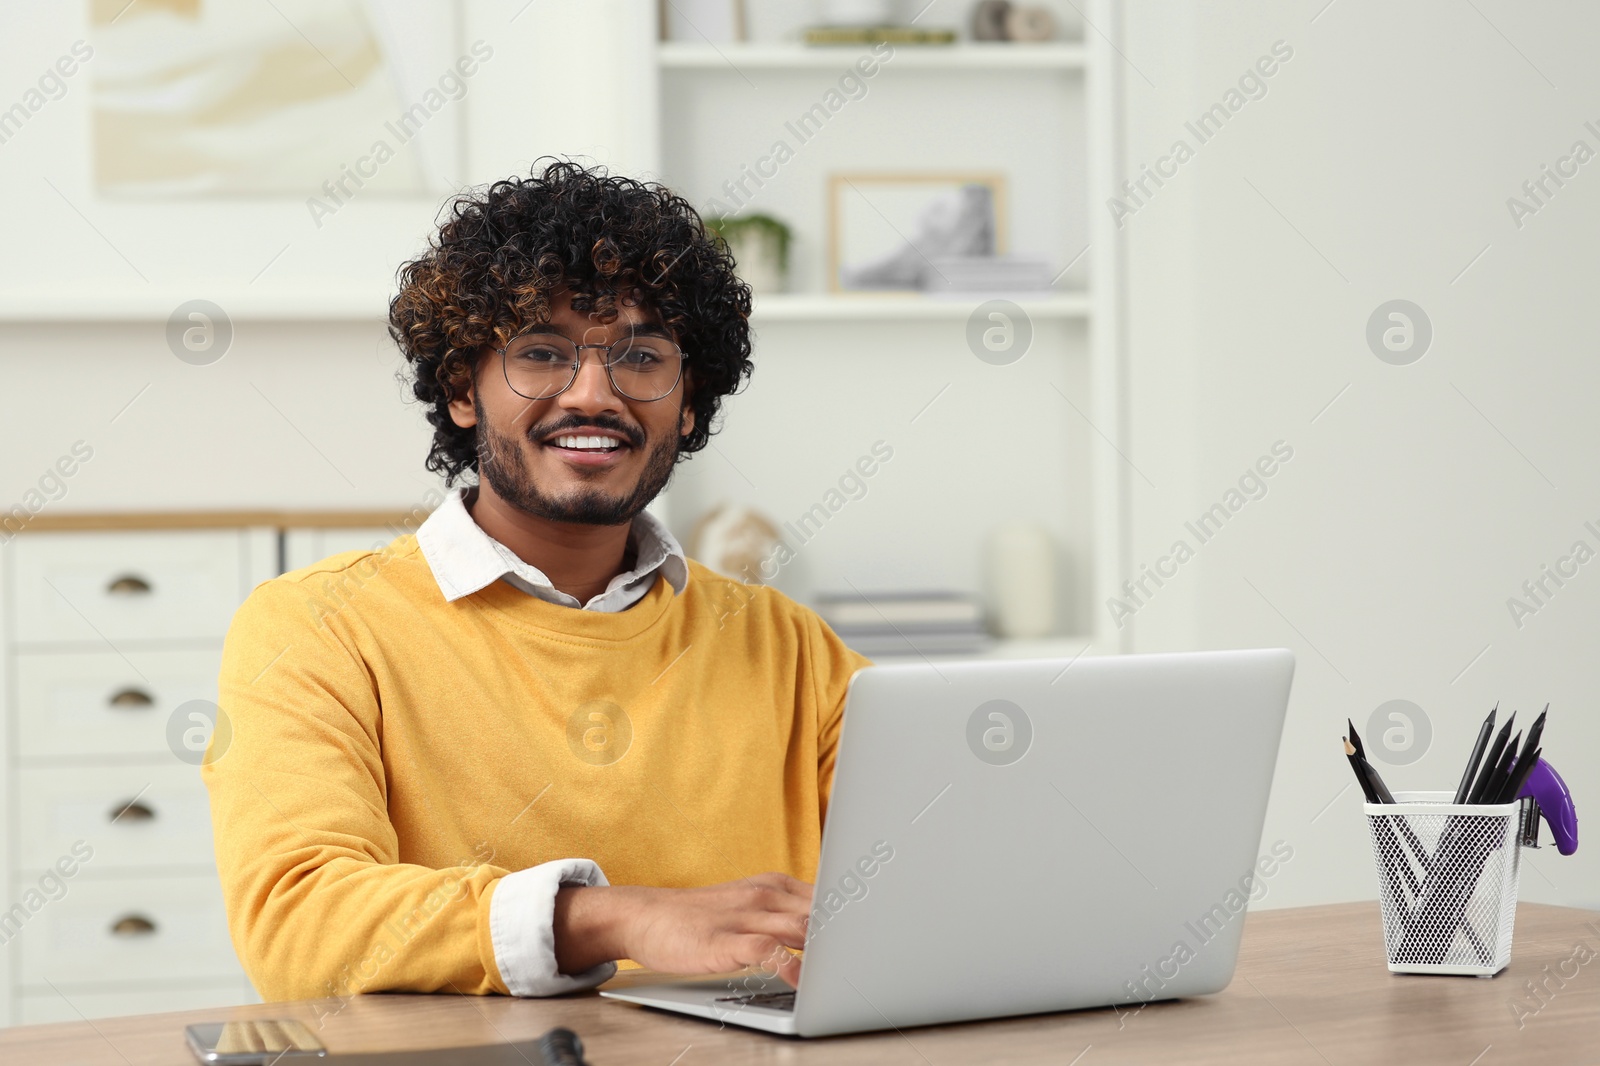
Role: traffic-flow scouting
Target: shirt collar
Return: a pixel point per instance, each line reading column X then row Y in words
column 465, row 559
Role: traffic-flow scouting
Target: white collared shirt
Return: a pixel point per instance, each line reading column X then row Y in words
column 465, row 559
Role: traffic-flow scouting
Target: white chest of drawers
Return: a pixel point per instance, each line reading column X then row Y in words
column 109, row 901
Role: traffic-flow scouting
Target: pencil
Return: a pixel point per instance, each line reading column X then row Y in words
column 1490, row 760
column 1384, row 795
column 1378, row 792
column 1527, row 760
column 1519, row 774
column 1355, row 739
column 1394, row 857
column 1498, row 781
column 1502, row 772
column 1365, row 767
column 1418, row 848
column 1378, row 787
column 1471, row 771
column 1451, row 897
column 1536, row 731
column 1361, row 778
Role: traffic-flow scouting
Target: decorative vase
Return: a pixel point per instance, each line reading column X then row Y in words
column 1021, row 567
column 739, row 542
column 855, row 12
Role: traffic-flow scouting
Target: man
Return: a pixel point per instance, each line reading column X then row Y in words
column 443, row 753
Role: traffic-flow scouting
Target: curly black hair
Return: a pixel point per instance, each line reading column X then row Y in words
column 502, row 252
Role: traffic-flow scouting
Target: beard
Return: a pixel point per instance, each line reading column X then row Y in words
column 502, row 464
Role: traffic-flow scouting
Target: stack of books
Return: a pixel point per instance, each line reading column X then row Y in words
column 895, row 34
column 885, row 624
column 987, row 273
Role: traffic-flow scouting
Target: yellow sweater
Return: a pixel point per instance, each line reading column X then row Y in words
column 392, row 756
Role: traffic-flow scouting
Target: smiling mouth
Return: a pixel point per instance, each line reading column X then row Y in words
column 590, row 445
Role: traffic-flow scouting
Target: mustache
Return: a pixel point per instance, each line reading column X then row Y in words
column 631, row 434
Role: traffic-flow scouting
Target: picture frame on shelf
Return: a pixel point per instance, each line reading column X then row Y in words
column 703, row 21
column 885, row 228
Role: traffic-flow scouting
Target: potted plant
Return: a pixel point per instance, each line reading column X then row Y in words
column 759, row 245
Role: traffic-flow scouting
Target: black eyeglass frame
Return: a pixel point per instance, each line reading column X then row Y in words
column 577, row 365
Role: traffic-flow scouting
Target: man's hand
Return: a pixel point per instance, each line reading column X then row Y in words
column 718, row 929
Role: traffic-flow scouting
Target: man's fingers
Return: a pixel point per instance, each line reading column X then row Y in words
column 775, row 897
column 784, row 883
column 789, row 929
column 789, row 970
column 795, row 886
column 766, row 954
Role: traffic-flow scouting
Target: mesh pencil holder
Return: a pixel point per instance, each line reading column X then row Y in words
column 1447, row 881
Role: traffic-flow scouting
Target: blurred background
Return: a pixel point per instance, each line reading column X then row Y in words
column 1082, row 328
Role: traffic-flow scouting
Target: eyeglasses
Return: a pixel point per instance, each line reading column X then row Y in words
column 543, row 365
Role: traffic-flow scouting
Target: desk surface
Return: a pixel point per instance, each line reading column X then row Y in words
column 1311, row 988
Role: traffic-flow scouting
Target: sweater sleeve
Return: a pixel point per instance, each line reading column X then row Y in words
column 318, row 901
column 831, row 664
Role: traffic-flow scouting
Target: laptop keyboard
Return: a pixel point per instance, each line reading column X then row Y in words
column 770, row 1000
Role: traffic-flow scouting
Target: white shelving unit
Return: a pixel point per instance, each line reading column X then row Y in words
column 684, row 55
column 1045, row 115
column 1042, row 648
column 806, row 307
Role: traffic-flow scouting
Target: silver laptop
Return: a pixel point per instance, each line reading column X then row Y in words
column 1017, row 837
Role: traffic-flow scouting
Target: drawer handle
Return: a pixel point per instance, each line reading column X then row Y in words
column 133, row 925
column 133, row 811
column 128, row 585
column 132, row 697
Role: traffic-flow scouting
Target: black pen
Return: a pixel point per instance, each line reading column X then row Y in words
column 1484, row 732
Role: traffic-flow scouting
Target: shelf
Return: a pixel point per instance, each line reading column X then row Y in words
column 372, row 305
column 80, row 521
column 684, row 55
column 349, row 302
column 823, row 307
column 1041, row 648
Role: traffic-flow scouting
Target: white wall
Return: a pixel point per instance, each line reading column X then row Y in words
column 297, row 415
column 1376, row 167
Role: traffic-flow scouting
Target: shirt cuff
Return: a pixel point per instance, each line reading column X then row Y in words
column 522, row 928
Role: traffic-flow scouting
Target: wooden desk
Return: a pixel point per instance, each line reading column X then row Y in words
column 1311, row 988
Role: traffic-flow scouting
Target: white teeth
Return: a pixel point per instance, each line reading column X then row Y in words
column 600, row 443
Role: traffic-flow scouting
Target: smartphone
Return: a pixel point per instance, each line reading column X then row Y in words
column 252, row 1043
